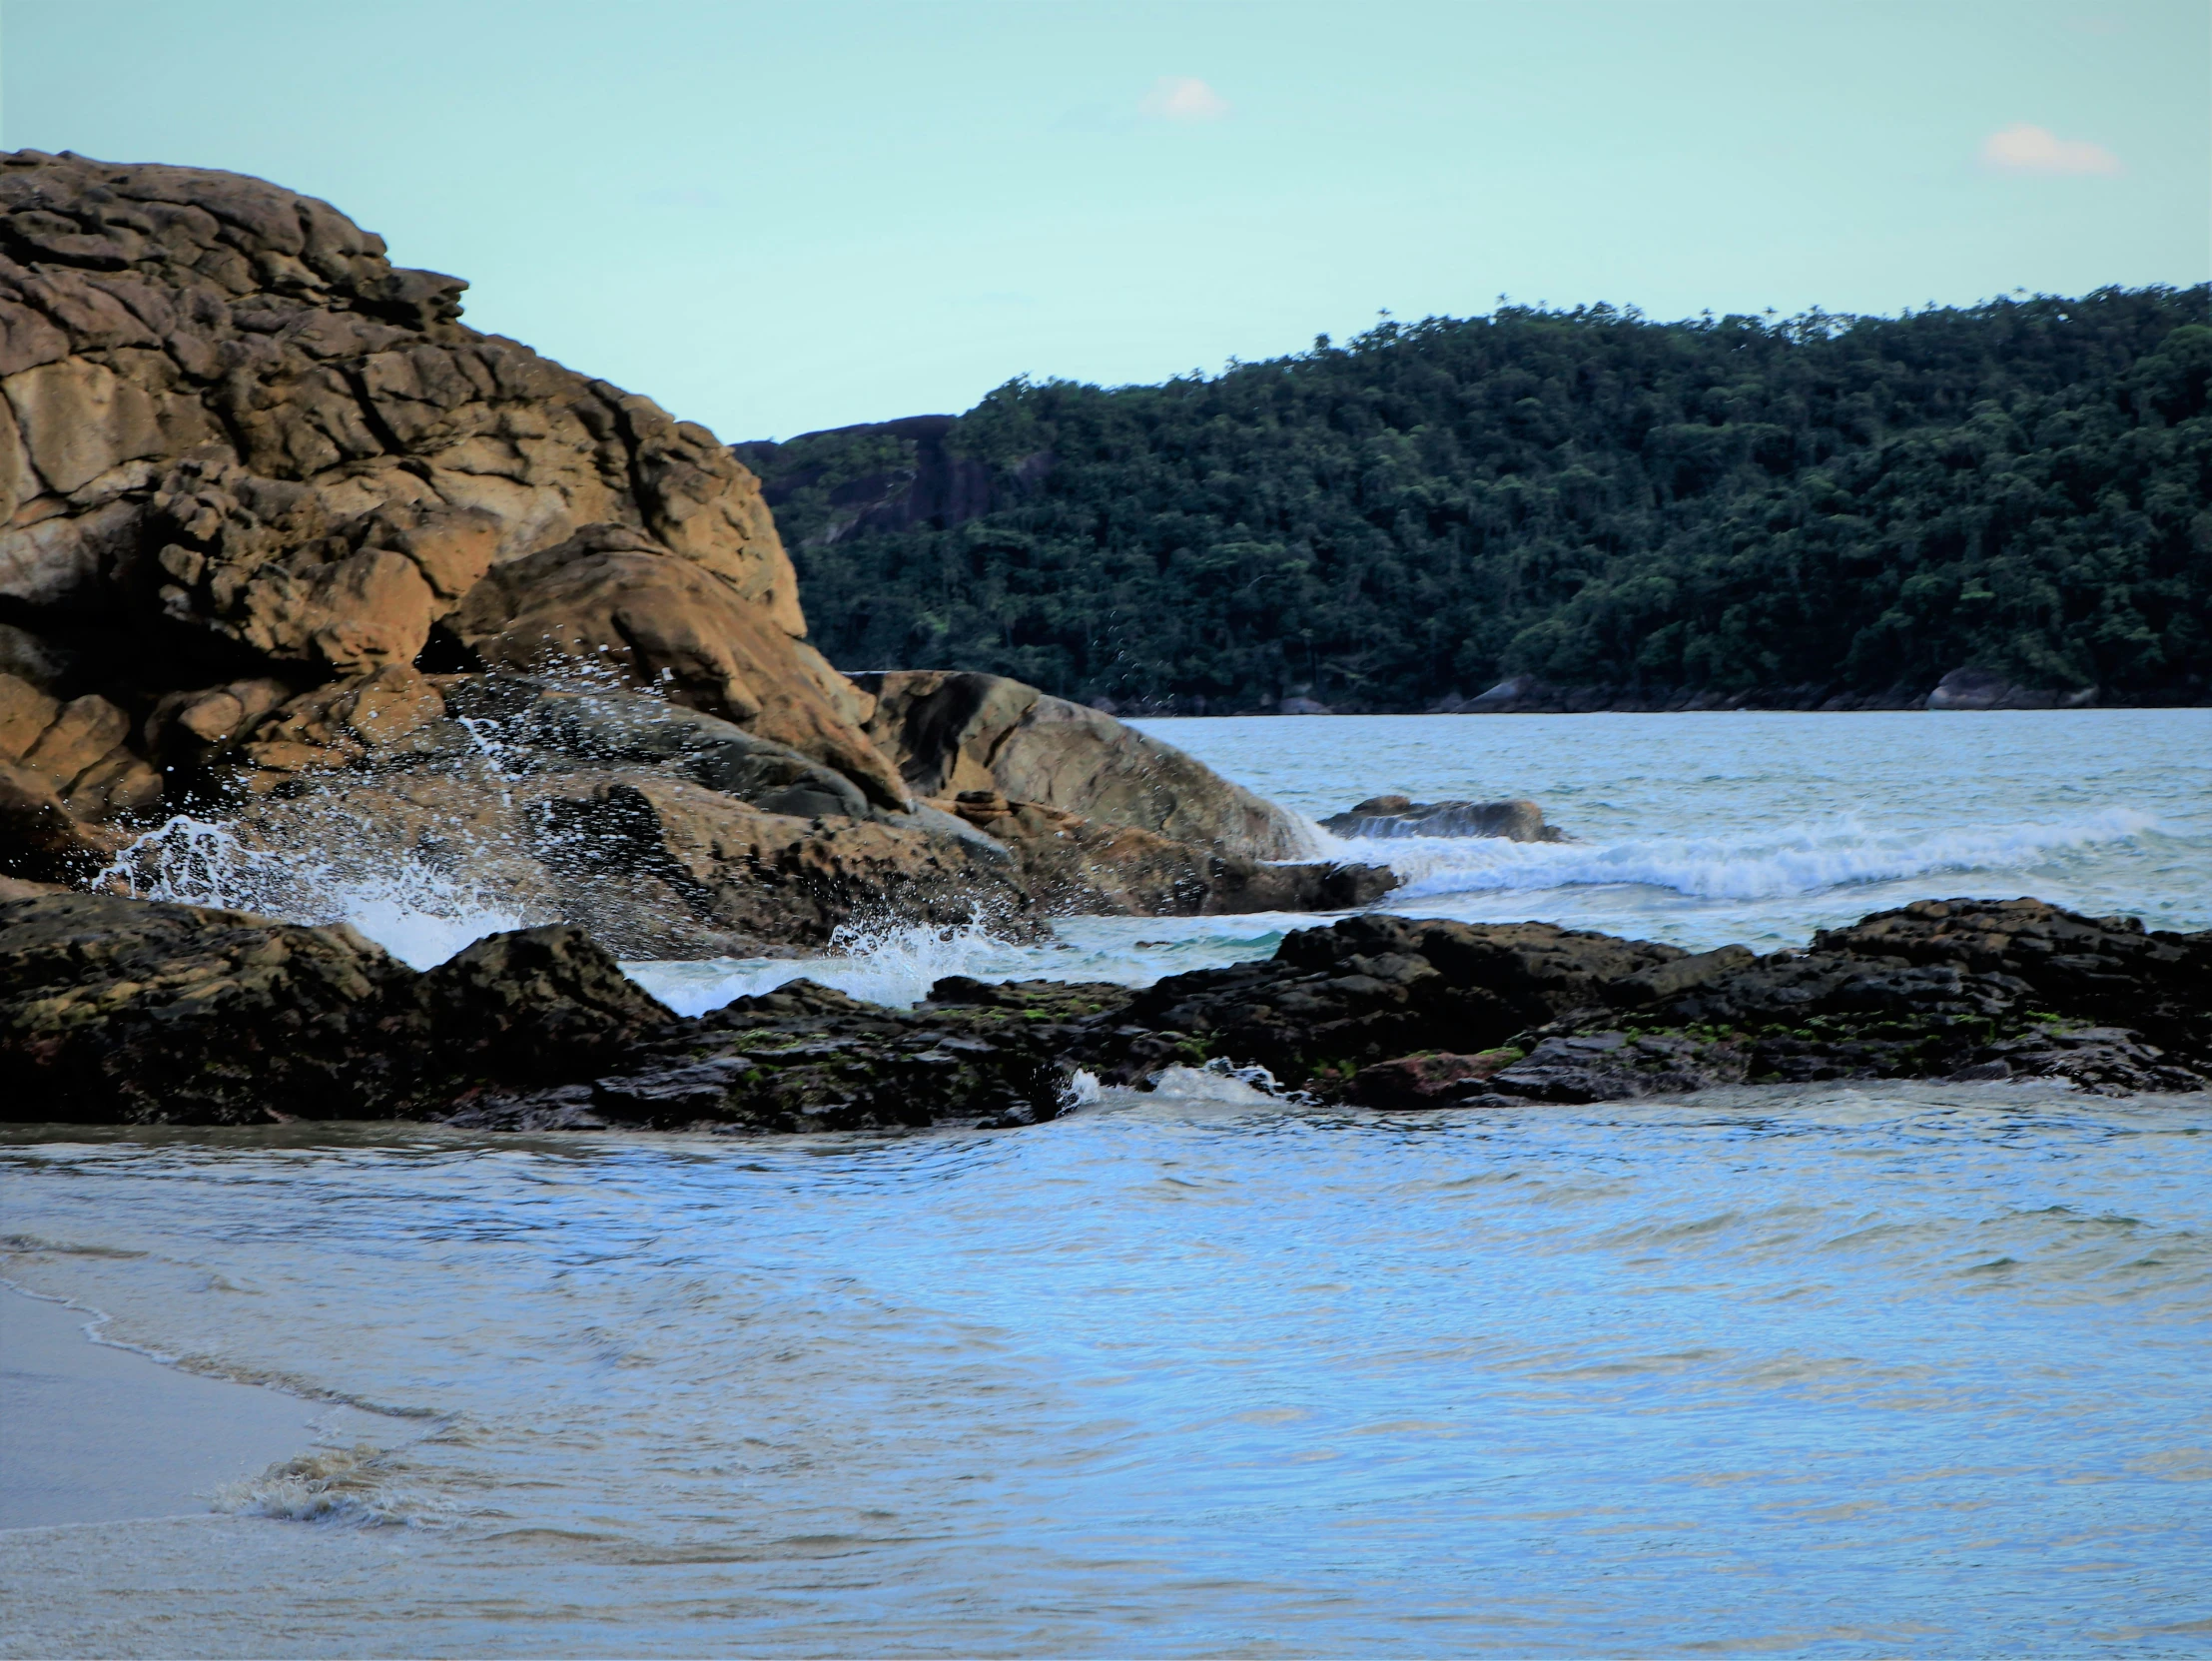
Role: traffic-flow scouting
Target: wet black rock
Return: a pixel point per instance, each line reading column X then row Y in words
column 127, row 1011
column 807, row 1057
column 131, row 1012
column 1970, row 990
column 1366, row 988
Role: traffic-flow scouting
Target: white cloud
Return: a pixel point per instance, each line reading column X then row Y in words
column 1184, row 98
column 2023, row 148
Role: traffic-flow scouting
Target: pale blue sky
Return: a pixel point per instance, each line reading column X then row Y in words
column 772, row 217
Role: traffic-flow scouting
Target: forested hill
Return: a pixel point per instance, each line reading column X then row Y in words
column 1836, row 505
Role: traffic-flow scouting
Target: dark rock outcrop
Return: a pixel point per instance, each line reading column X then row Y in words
column 120, row 1011
column 1966, row 989
column 1393, row 1012
column 807, row 1057
column 116, row 1011
column 1369, row 989
column 1517, row 820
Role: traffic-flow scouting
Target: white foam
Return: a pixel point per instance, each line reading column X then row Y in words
column 334, row 1485
column 1793, row 860
column 890, row 963
column 419, row 915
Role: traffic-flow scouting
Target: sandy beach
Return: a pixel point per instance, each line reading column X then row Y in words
column 97, row 1433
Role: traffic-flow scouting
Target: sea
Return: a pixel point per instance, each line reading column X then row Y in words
column 1840, row 1371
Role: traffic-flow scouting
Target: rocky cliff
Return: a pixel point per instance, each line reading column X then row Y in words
column 283, row 538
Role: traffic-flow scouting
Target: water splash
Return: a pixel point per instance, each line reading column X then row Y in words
column 893, row 964
column 347, row 1486
column 421, row 915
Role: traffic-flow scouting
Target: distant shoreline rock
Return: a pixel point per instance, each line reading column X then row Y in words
column 1518, row 820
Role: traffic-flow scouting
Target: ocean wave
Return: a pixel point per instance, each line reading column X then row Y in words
column 1798, row 860
column 352, row 1486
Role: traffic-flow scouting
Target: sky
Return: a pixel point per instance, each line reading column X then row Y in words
column 778, row 218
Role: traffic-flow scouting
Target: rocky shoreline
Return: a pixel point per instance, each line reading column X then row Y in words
column 119, row 1011
column 288, row 551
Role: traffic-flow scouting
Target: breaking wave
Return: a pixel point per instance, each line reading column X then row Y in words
column 1804, row 859
column 353, row 1486
column 419, row 915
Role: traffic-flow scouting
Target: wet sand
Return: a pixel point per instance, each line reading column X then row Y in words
column 93, row 1433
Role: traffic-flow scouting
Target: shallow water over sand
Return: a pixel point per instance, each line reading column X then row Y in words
column 1835, row 1371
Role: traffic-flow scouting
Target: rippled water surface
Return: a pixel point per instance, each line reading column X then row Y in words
column 1836, row 1372
column 1698, row 830
column 1911, row 1371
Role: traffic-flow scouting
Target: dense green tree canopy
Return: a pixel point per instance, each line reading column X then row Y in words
column 1588, row 497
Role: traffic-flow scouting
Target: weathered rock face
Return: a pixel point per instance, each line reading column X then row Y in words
column 951, row 732
column 664, row 831
column 241, row 457
column 1072, row 865
column 1515, row 821
column 276, row 529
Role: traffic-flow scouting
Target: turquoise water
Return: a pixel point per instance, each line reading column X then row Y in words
column 1822, row 1372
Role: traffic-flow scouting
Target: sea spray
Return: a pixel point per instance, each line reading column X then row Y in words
column 893, row 964
column 420, row 914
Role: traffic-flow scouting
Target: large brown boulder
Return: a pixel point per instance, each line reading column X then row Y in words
column 948, row 732
column 238, row 446
column 280, row 537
